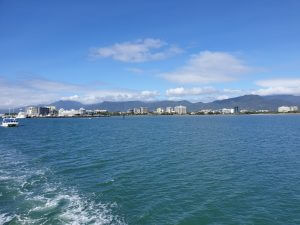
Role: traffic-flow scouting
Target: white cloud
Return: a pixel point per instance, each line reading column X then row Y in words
column 181, row 91
column 97, row 96
column 203, row 94
column 222, row 97
column 287, row 82
column 208, row 67
column 141, row 50
column 278, row 86
column 18, row 93
column 234, row 91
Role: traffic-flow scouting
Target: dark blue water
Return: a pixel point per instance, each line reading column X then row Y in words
column 151, row 170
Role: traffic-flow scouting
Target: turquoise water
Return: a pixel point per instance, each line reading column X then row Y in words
column 151, row 170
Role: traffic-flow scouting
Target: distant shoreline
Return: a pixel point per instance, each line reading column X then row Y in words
column 161, row 115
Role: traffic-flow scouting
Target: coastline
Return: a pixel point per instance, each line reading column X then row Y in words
column 156, row 115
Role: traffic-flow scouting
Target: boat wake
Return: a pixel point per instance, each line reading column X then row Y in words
column 29, row 196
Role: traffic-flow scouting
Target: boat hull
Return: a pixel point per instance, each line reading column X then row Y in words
column 9, row 124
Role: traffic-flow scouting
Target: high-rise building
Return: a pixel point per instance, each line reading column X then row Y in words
column 236, row 110
column 52, row 110
column 82, row 111
column 136, row 110
column 43, row 111
column 144, row 110
column 169, row 110
column 181, row 110
column 159, row 110
column 32, row 111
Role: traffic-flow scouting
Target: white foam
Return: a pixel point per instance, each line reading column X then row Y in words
column 80, row 211
column 3, row 178
column 4, row 218
column 71, row 207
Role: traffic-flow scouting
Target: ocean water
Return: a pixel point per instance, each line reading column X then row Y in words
column 152, row 170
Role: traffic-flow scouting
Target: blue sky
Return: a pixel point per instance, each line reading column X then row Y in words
column 91, row 51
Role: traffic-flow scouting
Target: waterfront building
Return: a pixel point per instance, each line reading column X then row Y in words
column 130, row 111
column 263, row 111
column 227, row 111
column 244, row 111
column 68, row 113
column 89, row 112
column 100, row 111
column 32, row 111
column 52, row 110
column 137, row 111
column 144, row 110
column 294, row 108
column 285, row 109
column 61, row 112
column 82, row 111
column 181, row 110
column 43, row 111
column 159, row 110
column 169, row 110
column 236, row 110
column 206, row 111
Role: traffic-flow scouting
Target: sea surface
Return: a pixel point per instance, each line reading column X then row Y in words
column 152, row 170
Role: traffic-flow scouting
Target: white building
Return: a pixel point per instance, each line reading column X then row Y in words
column 32, row 111
column 206, row 111
column 52, row 110
column 262, row 111
column 294, row 108
column 144, row 110
column 100, row 111
column 285, row 109
column 159, row 110
column 68, row 113
column 227, row 111
column 82, row 111
column 244, row 111
column 181, row 110
column 130, row 111
column 169, row 110
column 136, row 110
column 141, row 110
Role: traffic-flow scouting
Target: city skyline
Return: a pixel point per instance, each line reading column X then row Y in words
column 102, row 51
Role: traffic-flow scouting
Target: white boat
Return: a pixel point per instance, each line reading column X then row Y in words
column 10, row 122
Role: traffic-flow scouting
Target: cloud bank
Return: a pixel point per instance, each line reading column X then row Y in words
column 19, row 93
column 285, row 86
column 181, row 91
column 204, row 94
column 97, row 96
column 141, row 50
column 208, row 67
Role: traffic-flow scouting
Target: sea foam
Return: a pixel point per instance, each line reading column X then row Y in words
column 42, row 201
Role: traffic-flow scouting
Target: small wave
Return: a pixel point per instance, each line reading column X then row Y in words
column 4, row 218
column 44, row 201
column 67, row 209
